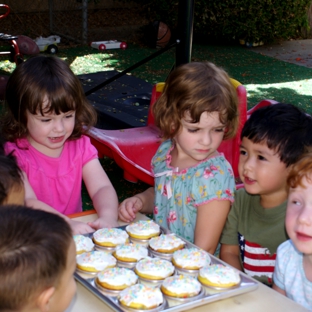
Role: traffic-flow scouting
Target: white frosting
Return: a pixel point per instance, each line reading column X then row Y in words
column 118, row 276
column 191, row 257
column 182, row 284
column 141, row 294
column 165, row 242
column 83, row 243
column 220, row 274
column 134, row 251
column 111, row 235
column 155, row 267
column 143, row 228
column 99, row 260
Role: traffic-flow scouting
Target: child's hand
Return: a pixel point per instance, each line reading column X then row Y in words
column 128, row 208
column 80, row 227
column 101, row 223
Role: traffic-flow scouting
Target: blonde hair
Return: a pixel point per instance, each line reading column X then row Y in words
column 196, row 87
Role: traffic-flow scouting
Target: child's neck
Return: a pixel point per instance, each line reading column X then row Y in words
column 273, row 200
column 307, row 266
column 53, row 153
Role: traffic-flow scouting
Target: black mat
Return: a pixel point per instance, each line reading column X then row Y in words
column 123, row 103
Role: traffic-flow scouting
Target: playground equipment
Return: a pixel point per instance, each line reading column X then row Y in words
column 13, row 52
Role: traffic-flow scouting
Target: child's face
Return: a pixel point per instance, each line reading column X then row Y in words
column 261, row 169
column 197, row 141
column 66, row 288
column 48, row 133
column 299, row 217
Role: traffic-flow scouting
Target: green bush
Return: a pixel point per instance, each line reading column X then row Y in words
column 251, row 20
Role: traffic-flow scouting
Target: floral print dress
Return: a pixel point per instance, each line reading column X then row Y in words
column 179, row 193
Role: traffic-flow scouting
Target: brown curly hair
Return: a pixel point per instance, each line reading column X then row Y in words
column 31, row 82
column 196, row 87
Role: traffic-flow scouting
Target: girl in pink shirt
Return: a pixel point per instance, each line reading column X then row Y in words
column 46, row 116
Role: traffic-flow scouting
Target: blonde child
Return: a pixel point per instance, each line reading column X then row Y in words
column 37, row 261
column 293, row 271
column 194, row 184
column 47, row 114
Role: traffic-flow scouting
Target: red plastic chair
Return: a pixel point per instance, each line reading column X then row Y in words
column 133, row 149
column 262, row 103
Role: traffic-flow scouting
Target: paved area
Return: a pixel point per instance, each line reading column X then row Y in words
column 298, row 52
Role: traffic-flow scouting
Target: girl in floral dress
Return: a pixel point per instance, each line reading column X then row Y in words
column 194, row 183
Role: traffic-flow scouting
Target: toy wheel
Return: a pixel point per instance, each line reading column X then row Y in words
column 102, row 47
column 123, row 45
column 52, row 49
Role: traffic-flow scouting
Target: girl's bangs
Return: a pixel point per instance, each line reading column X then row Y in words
column 59, row 101
column 197, row 109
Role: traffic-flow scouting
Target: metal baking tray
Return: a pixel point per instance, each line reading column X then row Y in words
column 210, row 294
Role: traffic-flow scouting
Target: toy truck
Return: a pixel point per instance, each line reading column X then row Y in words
column 48, row 44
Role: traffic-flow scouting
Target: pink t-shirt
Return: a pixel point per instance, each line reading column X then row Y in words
column 55, row 181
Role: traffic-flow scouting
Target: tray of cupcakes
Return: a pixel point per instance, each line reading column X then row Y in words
column 143, row 266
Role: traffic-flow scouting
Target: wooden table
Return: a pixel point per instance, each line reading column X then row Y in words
column 259, row 300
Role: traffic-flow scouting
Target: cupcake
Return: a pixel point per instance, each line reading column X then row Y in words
column 116, row 278
column 95, row 261
column 130, row 252
column 83, row 244
column 164, row 245
column 141, row 297
column 154, row 268
column 219, row 276
column 110, row 237
column 190, row 259
column 143, row 229
column 181, row 286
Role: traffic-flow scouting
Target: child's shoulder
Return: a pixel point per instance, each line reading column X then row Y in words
column 19, row 144
column 286, row 248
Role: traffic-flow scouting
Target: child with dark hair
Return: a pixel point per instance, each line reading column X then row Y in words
column 37, row 261
column 46, row 119
column 11, row 181
column 273, row 139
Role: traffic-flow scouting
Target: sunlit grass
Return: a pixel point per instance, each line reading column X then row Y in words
column 263, row 77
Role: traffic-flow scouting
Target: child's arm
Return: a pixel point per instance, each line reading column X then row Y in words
column 230, row 255
column 32, row 202
column 102, row 193
column 281, row 291
column 210, row 221
column 143, row 202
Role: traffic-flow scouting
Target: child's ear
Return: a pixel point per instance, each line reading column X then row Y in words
column 44, row 298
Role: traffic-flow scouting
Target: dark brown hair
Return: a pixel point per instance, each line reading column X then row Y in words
column 34, row 80
column 33, row 254
column 10, row 177
column 196, row 87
